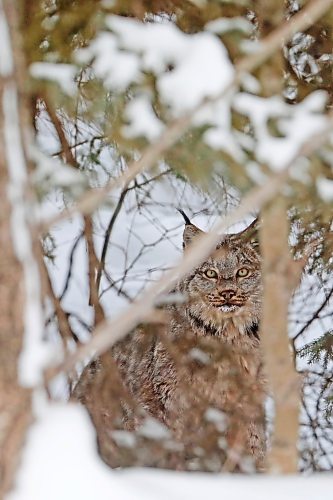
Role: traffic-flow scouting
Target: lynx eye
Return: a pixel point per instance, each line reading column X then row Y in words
column 242, row 272
column 210, row 273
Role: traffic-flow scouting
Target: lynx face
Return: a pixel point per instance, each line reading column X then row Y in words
column 220, row 319
column 227, row 286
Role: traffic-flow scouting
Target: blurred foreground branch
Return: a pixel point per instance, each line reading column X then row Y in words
column 109, row 332
column 17, row 263
column 173, row 132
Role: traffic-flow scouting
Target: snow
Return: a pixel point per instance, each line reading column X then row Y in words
column 255, row 173
column 118, row 69
column 6, row 58
column 216, row 417
column 153, row 429
column 36, row 353
column 224, row 25
column 297, row 123
column 303, row 63
column 251, row 84
column 189, row 69
column 168, row 485
column 124, row 439
column 220, row 135
column 60, row 461
column 62, row 74
column 133, row 229
column 199, row 355
column 52, row 173
column 132, row 49
column 325, row 188
column 143, row 122
column 203, row 63
column 76, row 300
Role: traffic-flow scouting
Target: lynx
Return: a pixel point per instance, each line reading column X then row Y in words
column 196, row 375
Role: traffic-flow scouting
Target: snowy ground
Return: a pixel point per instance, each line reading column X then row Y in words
column 61, row 463
column 60, row 459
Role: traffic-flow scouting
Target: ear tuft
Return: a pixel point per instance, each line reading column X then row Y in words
column 251, row 233
column 186, row 219
column 190, row 232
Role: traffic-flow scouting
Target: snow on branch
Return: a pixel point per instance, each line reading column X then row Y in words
column 109, row 332
column 35, row 352
column 208, row 104
column 123, row 57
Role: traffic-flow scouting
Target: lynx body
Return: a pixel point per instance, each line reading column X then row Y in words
column 198, row 372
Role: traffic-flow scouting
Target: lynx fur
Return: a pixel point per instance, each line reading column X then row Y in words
column 198, row 372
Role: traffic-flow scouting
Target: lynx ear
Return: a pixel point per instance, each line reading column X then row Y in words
column 190, row 230
column 251, row 234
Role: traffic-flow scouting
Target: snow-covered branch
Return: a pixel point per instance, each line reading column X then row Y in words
column 204, row 102
column 109, row 332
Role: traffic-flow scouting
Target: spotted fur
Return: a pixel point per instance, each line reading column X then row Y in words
column 205, row 357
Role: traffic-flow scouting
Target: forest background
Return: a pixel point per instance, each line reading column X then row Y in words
column 112, row 116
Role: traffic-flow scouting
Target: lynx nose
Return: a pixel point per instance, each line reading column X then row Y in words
column 227, row 294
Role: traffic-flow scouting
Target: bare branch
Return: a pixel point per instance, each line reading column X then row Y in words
column 109, row 332
column 95, row 197
column 66, row 149
column 70, row 266
column 315, row 315
column 93, row 265
column 65, row 330
column 108, row 234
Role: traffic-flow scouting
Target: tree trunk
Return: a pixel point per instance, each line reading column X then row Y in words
column 282, row 377
column 277, row 265
column 15, row 401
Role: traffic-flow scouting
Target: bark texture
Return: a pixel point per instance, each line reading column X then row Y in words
column 15, row 401
column 278, row 276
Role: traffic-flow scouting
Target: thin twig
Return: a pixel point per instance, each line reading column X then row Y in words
column 109, row 332
column 70, row 265
column 65, row 329
column 93, row 266
column 93, row 263
column 315, row 315
column 108, row 234
column 114, row 218
column 66, row 149
column 91, row 200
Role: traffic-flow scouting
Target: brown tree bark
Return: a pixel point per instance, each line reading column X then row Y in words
column 15, row 410
column 15, row 401
column 279, row 283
